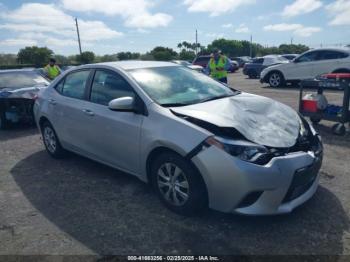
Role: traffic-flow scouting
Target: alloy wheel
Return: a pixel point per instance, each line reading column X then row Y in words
column 173, row 184
column 50, row 139
column 275, row 80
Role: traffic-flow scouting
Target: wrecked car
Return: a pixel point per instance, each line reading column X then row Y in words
column 198, row 142
column 18, row 89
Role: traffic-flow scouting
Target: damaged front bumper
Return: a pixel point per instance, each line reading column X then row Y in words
column 237, row 186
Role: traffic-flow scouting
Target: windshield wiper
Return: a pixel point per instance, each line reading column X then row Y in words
column 174, row 104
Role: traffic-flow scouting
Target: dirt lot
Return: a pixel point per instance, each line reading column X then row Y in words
column 77, row 206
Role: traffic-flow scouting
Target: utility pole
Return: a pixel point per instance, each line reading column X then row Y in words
column 291, row 41
column 196, row 42
column 251, row 46
column 76, row 24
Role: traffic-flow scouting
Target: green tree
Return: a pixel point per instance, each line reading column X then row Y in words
column 163, row 53
column 62, row 60
column 86, row 57
column 8, row 59
column 37, row 56
column 128, row 56
column 187, row 55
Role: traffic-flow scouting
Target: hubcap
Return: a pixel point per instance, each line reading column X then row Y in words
column 275, row 80
column 50, row 139
column 173, row 184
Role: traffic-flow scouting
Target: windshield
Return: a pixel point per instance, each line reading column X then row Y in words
column 17, row 79
column 179, row 86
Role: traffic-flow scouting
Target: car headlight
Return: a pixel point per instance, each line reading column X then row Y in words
column 241, row 149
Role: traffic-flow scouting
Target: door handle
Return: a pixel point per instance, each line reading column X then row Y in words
column 52, row 101
column 88, row 112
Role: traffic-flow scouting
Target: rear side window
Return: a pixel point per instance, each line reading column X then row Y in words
column 74, row 84
column 327, row 55
column 108, row 85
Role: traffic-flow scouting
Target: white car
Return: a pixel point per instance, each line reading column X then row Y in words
column 308, row 65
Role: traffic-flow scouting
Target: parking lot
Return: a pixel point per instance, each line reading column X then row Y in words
column 76, row 206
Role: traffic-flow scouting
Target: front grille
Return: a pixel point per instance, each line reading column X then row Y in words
column 302, row 181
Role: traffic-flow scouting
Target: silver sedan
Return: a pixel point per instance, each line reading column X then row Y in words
column 198, row 142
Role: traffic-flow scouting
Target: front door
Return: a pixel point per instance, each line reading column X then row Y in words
column 114, row 137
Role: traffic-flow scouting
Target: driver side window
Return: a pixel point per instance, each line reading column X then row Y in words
column 108, row 85
column 308, row 57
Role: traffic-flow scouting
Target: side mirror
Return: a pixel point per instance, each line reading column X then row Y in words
column 125, row 104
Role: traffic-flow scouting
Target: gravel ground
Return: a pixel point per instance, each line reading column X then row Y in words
column 76, row 206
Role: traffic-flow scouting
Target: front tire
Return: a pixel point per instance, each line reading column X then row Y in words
column 51, row 141
column 178, row 184
column 276, row 79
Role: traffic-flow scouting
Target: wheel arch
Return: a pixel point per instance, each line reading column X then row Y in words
column 160, row 150
column 42, row 120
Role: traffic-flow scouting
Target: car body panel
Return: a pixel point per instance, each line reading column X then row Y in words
column 234, row 179
column 259, row 119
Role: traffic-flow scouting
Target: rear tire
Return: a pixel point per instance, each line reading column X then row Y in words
column 51, row 141
column 276, row 79
column 339, row 129
column 178, row 184
column 4, row 123
column 252, row 75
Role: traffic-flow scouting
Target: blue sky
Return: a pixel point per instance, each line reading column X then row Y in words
column 111, row 26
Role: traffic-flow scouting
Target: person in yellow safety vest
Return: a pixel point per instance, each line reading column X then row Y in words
column 218, row 66
column 52, row 70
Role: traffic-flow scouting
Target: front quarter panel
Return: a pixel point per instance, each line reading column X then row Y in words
column 163, row 129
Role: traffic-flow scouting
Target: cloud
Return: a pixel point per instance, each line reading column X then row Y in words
column 300, row 7
column 340, row 11
column 18, row 42
column 215, row 35
column 47, row 22
column 215, row 7
column 242, row 29
column 227, row 25
column 297, row 29
column 134, row 12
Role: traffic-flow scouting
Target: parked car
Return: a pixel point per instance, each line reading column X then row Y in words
column 290, row 57
column 234, row 66
column 204, row 60
column 197, row 68
column 201, row 60
column 308, row 65
column 196, row 141
column 242, row 60
column 18, row 89
column 254, row 68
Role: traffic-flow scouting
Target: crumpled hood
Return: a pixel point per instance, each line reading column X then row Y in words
column 259, row 119
column 25, row 92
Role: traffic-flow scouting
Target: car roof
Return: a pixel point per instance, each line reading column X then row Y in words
column 136, row 64
column 341, row 49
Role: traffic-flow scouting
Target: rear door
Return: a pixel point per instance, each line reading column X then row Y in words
column 328, row 61
column 68, row 107
column 114, row 137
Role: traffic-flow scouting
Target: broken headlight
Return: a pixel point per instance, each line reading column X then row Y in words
column 241, row 149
